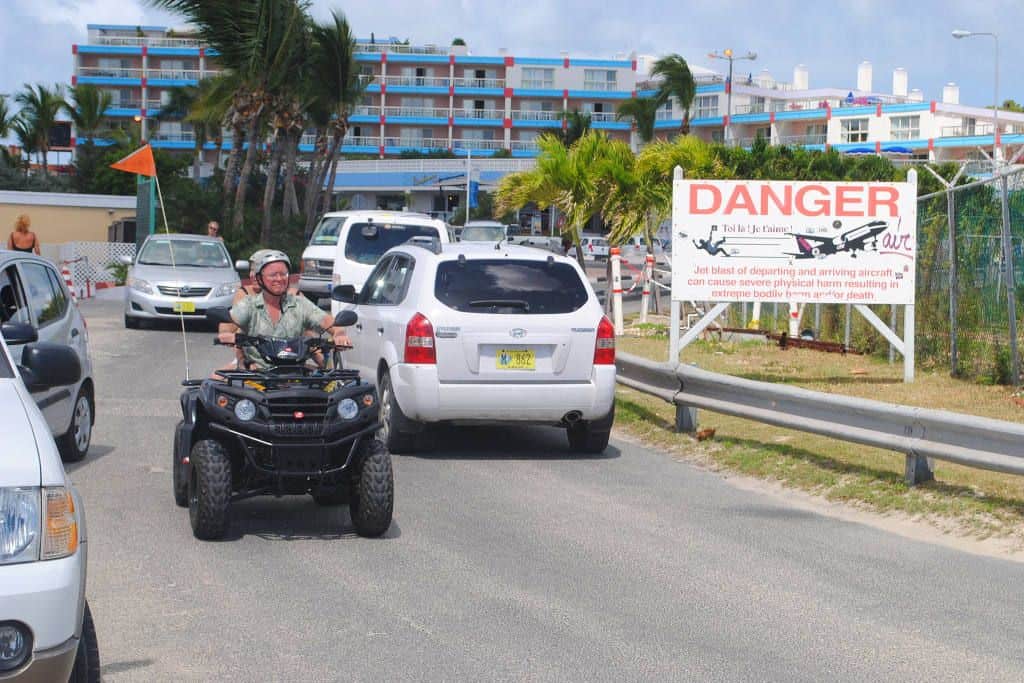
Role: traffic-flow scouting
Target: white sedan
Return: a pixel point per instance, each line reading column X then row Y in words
column 466, row 333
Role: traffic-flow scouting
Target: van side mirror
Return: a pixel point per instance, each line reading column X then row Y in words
column 45, row 365
column 18, row 333
column 345, row 294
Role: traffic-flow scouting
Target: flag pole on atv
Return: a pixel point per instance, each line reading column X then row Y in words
column 141, row 162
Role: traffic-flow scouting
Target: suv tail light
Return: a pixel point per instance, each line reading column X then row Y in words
column 604, row 348
column 419, row 341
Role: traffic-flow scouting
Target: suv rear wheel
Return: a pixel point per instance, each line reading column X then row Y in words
column 372, row 499
column 209, row 489
column 591, row 436
column 395, row 429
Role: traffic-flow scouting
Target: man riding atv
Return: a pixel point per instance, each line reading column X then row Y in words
column 273, row 311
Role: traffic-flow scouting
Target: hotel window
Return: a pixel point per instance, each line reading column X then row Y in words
column 855, row 130
column 538, row 78
column 764, row 132
column 816, row 133
column 906, row 127
column 705, row 106
column 599, row 79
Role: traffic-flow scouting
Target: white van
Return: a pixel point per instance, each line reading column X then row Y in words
column 331, row 259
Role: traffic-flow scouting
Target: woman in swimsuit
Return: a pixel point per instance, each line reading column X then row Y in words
column 23, row 239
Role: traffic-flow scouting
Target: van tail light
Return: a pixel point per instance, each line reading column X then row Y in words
column 419, row 341
column 604, row 348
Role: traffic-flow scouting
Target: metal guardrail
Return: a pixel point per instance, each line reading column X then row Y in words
column 920, row 433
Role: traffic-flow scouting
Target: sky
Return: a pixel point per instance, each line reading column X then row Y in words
column 829, row 37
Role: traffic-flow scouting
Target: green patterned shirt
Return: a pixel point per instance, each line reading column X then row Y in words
column 298, row 314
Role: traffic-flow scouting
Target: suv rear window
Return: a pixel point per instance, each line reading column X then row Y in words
column 509, row 287
column 367, row 241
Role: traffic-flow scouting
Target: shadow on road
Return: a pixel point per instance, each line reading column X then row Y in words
column 95, row 453
column 506, row 443
column 293, row 518
column 121, row 667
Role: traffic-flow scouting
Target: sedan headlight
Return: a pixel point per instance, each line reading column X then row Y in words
column 28, row 533
column 227, row 289
column 245, row 410
column 19, row 525
column 140, row 285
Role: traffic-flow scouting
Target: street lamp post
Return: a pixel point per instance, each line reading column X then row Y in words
column 1007, row 264
column 728, row 55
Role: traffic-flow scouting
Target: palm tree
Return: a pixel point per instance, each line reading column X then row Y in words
column 87, row 113
column 28, row 139
column 41, row 106
column 6, row 121
column 337, row 90
column 644, row 111
column 576, row 125
column 564, row 178
column 677, row 82
column 203, row 107
column 257, row 41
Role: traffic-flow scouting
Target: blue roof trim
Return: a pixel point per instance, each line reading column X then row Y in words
column 363, row 118
column 800, row 114
column 399, row 150
column 913, row 144
column 752, row 118
column 105, row 80
column 536, row 92
column 906, row 106
column 109, row 50
column 603, row 63
column 373, row 87
column 367, row 57
column 416, row 90
column 172, row 144
column 171, row 82
column 844, row 112
column 968, row 140
column 487, row 123
column 600, row 94
column 492, row 61
column 674, row 123
column 705, row 121
column 539, row 61
column 425, row 59
column 532, row 123
column 419, row 120
column 124, row 27
column 122, row 111
column 646, row 93
column 710, row 88
column 524, row 153
column 174, row 51
column 610, row 125
column 492, row 92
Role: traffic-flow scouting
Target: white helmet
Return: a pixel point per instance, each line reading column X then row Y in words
column 264, row 257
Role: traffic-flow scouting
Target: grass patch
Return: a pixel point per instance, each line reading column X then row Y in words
column 961, row 500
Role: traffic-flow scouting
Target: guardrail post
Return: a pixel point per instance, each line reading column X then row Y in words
column 686, row 419
column 918, row 469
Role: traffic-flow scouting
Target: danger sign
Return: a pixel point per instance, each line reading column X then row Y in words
column 811, row 242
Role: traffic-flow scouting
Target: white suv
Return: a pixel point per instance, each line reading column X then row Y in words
column 483, row 333
column 46, row 630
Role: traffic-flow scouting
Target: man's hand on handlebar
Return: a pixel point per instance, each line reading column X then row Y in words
column 341, row 339
column 226, row 338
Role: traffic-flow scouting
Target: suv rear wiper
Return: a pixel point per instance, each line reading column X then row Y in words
column 500, row 303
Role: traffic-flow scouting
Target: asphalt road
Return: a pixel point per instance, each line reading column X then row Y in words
column 508, row 559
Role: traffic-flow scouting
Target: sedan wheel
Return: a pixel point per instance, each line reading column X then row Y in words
column 75, row 443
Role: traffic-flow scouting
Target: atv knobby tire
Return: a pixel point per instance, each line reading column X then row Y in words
column 178, row 483
column 209, row 489
column 373, row 489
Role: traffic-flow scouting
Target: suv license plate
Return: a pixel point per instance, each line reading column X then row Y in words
column 184, row 307
column 515, row 359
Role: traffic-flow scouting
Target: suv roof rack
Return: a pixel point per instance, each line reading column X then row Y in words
column 432, row 244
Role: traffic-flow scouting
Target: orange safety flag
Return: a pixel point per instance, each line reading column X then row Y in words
column 140, row 162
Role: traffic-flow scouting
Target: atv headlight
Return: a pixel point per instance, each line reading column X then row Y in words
column 347, row 409
column 19, row 525
column 245, row 410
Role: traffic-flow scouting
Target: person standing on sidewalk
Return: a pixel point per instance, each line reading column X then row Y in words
column 23, row 239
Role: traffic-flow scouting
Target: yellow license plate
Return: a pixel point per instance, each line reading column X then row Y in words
column 515, row 359
column 184, row 307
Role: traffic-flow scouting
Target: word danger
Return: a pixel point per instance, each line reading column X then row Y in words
column 793, row 200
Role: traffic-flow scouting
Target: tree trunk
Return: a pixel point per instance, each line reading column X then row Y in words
column 333, row 159
column 237, row 138
column 313, row 178
column 277, row 150
column 685, row 128
column 238, row 219
column 291, row 200
column 197, row 162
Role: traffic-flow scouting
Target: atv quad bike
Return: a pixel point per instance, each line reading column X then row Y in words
column 286, row 430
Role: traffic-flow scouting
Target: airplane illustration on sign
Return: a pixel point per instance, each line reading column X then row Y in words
column 852, row 241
